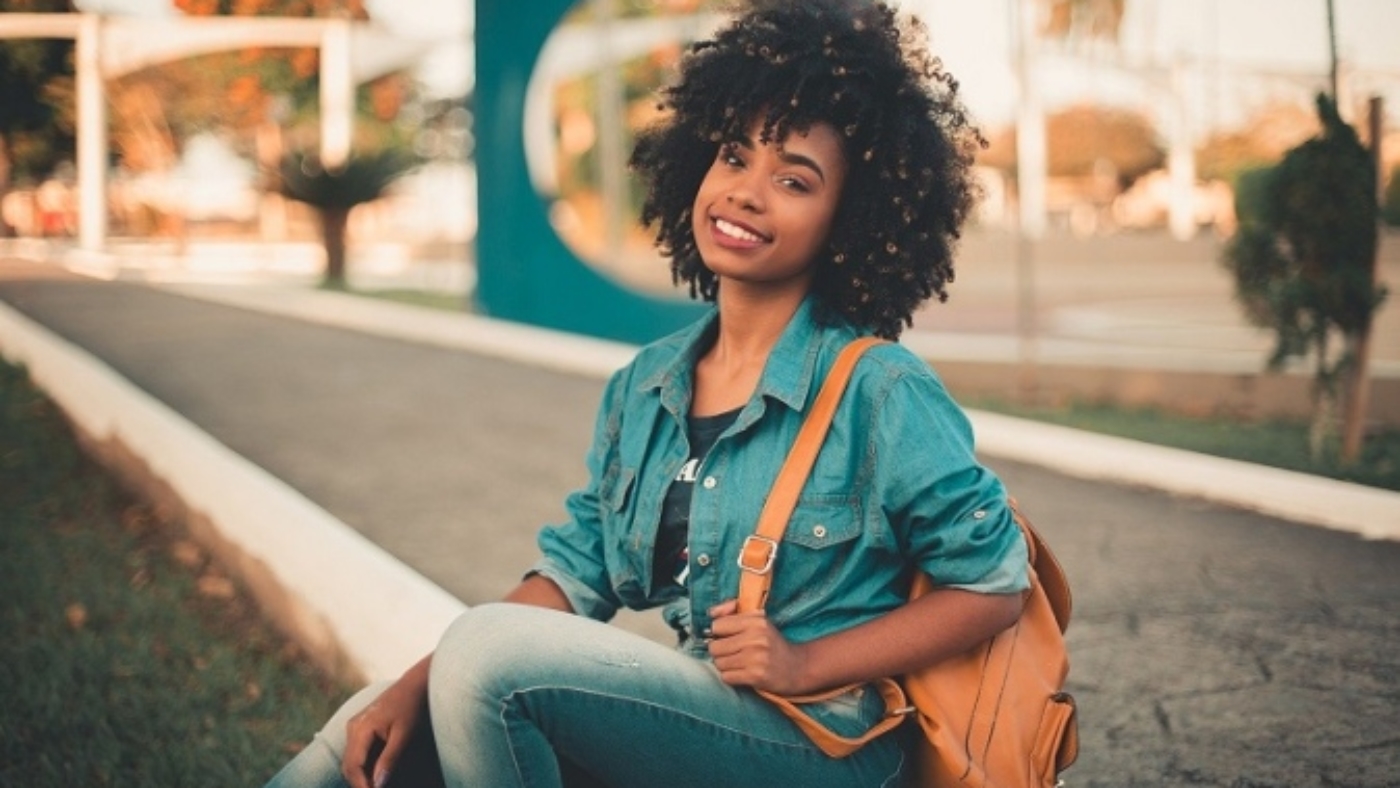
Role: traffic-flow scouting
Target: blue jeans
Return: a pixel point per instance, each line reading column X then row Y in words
column 521, row 696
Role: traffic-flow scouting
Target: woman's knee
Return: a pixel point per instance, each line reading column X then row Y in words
column 489, row 647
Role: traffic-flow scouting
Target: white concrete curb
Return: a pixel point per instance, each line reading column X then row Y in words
column 518, row 342
column 1370, row 512
column 382, row 615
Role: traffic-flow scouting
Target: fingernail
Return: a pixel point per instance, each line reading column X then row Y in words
column 381, row 778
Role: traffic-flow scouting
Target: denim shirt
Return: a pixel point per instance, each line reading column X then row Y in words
column 896, row 487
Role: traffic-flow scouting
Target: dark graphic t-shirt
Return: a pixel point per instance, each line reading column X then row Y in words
column 671, row 564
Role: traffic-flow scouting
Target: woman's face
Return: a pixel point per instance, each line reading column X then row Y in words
column 763, row 211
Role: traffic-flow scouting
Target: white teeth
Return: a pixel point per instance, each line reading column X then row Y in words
column 735, row 231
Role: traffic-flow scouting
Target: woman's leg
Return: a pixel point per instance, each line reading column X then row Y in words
column 318, row 765
column 515, row 690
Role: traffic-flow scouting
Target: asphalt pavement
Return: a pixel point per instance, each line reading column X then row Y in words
column 1210, row 645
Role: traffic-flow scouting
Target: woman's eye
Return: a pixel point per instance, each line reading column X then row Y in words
column 795, row 184
column 730, row 157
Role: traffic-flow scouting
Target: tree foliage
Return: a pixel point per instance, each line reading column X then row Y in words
column 364, row 178
column 236, row 92
column 1302, row 259
column 1080, row 138
column 240, row 88
column 334, row 192
column 1261, row 141
column 37, row 113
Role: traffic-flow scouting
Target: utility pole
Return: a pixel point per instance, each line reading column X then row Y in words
column 1031, row 157
column 92, row 134
column 1358, row 393
column 1332, row 47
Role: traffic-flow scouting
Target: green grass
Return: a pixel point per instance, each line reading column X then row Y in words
column 1279, row 444
column 447, row 302
column 450, row 302
column 126, row 658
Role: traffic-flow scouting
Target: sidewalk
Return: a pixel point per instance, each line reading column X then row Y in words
column 1211, row 645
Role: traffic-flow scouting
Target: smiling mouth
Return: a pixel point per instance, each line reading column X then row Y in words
column 737, row 232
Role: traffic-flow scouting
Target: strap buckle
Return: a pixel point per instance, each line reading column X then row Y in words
column 768, row 554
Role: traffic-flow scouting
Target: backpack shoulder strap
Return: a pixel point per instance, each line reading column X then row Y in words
column 1047, row 569
column 760, row 549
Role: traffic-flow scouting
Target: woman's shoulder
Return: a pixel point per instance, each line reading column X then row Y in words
column 661, row 355
column 895, row 361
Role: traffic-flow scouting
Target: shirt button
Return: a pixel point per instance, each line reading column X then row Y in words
column 703, row 559
column 710, row 482
column 819, row 532
column 979, row 514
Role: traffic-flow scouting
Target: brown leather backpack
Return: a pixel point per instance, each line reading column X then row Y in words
column 996, row 716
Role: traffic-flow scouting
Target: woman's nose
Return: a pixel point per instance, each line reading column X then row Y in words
column 744, row 197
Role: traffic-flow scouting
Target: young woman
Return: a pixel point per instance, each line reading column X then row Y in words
column 810, row 178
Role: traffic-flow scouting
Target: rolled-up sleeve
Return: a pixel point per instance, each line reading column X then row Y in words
column 574, row 552
column 950, row 512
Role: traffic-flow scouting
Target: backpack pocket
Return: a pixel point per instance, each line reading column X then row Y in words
column 1056, row 742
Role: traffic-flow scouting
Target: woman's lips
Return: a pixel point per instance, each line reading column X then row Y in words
column 730, row 233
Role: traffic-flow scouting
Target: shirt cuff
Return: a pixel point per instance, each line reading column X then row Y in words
column 1011, row 576
column 584, row 600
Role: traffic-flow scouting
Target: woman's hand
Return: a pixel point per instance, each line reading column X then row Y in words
column 749, row 651
column 377, row 736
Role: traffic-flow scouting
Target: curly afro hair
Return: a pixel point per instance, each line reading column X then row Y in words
column 908, row 142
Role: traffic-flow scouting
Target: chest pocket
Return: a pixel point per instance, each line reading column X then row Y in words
column 824, row 522
column 818, row 541
column 614, row 489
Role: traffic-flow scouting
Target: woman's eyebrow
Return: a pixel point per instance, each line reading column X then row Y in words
column 799, row 160
column 784, row 155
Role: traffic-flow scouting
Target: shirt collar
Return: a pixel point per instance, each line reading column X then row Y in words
column 674, row 378
column 787, row 377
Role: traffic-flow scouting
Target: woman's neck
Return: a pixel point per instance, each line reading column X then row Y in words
column 749, row 327
column 750, row 324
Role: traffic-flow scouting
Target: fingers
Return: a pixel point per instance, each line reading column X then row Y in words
column 389, row 757
column 736, row 633
column 726, row 608
column 726, row 620
column 741, row 647
column 362, row 748
column 355, row 763
column 748, row 651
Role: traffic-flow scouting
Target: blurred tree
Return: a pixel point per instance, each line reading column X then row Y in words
column 1082, row 138
column 37, row 112
column 1302, row 259
column 240, row 87
column 334, row 193
column 238, row 91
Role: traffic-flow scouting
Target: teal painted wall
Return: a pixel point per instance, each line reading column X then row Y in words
column 525, row 272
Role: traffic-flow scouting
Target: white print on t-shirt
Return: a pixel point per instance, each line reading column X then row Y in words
column 684, row 573
column 689, row 471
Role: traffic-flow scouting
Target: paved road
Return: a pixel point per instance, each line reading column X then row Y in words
column 1210, row 646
